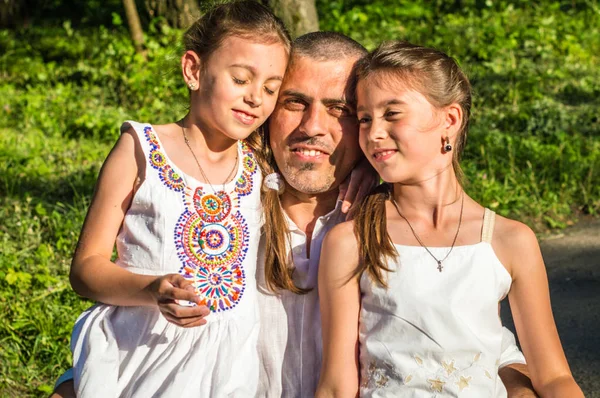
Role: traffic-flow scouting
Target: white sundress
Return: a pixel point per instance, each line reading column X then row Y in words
column 176, row 224
column 432, row 333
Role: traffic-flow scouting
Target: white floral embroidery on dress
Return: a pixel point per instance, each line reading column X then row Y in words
column 439, row 373
column 379, row 376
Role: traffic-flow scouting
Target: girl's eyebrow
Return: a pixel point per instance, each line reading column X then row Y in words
column 252, row 70
column 385, row 103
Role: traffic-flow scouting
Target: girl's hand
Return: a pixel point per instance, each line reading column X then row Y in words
column 169, row 288
column 356, row 186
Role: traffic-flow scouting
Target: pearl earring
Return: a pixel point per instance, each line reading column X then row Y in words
column 192, row 86
column 447, row 147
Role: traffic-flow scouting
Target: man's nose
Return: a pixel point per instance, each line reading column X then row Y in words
column 314, row 122
column 253, row 96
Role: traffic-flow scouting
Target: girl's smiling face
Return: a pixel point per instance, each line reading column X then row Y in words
column 401, row 132
column 238, row 86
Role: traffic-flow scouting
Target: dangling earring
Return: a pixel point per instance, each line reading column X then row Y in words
column 447, row 147
column 192, row 86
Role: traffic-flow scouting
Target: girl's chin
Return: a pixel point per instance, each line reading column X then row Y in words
column 400, row 178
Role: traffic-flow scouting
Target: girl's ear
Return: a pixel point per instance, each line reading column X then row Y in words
column 453, row 120
column 190, row 67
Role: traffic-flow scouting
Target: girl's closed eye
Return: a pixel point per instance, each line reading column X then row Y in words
column 272, row 89
column 239, row 81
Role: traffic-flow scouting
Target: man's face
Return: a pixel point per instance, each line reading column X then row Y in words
column 313, row 129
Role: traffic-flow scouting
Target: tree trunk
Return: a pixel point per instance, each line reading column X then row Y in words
column 13, row 13
column 177, row 13
column 135, row 27
column 300, row 16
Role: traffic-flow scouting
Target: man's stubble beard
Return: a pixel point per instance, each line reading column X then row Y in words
column 301, row 179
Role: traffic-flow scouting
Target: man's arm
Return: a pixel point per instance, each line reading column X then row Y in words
column 516, row 380
column 513, row 370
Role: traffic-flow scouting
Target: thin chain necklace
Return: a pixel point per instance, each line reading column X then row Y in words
column 187, row 142
column 439, row 262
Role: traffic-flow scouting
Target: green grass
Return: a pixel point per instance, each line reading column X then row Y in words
column 46, row 183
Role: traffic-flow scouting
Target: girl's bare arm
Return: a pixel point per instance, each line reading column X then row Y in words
column 529, row 298
column 93, row 275
column 339, row 297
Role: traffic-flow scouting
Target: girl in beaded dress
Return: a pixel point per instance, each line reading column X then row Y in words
column 182, row 203
column 412, row 311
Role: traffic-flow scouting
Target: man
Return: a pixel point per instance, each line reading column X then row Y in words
column 313, row 133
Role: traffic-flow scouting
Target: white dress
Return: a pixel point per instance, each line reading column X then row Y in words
column 432, row 333
column 176, row 224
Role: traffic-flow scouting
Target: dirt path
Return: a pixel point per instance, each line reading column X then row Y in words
column 573, row 263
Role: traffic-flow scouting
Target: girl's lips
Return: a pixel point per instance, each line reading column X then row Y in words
column 384, row 155
column 243, row 117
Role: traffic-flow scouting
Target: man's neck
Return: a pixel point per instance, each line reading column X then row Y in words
column 304, row 209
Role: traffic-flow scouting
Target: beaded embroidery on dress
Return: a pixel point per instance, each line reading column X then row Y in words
column 176, row 224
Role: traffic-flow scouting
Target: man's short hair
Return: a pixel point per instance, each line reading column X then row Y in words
column 327, row 46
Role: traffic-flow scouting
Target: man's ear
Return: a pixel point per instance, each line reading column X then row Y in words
column 190, row 68
column 453, row 116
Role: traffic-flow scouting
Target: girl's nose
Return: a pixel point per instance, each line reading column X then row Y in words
column 254, row 98
column 377, row 130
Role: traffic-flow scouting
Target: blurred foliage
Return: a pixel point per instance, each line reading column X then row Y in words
column 66, row 85
column 534, row 146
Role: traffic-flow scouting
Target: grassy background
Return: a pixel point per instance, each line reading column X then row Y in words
column 65, row 86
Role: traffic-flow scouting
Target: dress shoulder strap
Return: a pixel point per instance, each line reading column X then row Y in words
column 143, row 133
column 487, row 230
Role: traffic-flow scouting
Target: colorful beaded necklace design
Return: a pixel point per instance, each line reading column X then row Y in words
column 211, row 235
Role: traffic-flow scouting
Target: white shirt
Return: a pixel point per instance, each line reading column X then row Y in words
column 290, row 345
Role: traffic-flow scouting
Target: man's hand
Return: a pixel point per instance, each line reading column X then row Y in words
column 517, row 382
column 356, row 186
column 167, row 290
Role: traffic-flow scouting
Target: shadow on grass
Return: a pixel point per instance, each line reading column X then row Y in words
column 66, row 189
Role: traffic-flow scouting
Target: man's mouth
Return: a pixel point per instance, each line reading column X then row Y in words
column 308, row 152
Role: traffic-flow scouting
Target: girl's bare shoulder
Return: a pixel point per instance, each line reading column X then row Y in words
column 342, row 235
column 513, row 233
column 341, row 241
column 515, row 243
column 339, row 244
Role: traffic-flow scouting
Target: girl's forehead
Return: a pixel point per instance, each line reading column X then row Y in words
column 385, row 89
column 399, row 80
column 249, row 52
